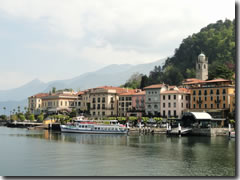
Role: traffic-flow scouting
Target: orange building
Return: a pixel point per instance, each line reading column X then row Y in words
column 212, row 96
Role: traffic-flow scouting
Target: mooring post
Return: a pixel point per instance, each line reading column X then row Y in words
column 229, row 130
column 179, row 130
column 167, row 129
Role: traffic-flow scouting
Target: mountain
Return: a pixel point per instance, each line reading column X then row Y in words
column 114, row 75
column 21, row 92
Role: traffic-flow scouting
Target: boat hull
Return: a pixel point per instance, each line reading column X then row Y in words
column 89, row 131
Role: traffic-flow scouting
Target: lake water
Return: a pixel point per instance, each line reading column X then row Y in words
column 44, row 153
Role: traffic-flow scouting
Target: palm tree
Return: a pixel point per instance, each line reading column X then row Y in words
column 4, row 108
column 25, row 108
column 14, row 111
column 18, row 109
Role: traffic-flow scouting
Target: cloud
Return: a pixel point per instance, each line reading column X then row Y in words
column 109, row 31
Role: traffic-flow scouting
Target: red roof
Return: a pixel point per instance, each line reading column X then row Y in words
column 39, row 95
column 140, row 93
column 80, row 92
column 154, row 86
column 217, row 80
column 179, row 91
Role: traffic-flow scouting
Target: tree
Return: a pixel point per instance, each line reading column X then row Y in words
column 3, row 117
column 31, row 117
column 40, row 117
column 4, row 108
column 14, row 117
column 144, row 82
column 134, row 81
column 18, row 109
column 21, row 117
column 53, row 90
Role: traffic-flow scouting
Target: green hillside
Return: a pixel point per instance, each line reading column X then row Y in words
column 216, row 41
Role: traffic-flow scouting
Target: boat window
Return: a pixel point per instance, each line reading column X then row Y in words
column 99, row 128
column 85, row 126
column 95, row 128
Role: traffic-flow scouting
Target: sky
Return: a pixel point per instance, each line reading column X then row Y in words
column 61, row 39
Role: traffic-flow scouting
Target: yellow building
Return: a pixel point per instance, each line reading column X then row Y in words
column 232, row 102
column 104, row 101
column 35, row 103
column 212, row 96
column 62, row 100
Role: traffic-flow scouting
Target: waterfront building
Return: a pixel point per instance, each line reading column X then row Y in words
column 125, row 104
column 174, row 102
column 212, row 96
column 82, row 104
column 152, row 100
column 202, row 67
column 35, row 103
column 138, row 103
column 59, row 101
column 104, row 100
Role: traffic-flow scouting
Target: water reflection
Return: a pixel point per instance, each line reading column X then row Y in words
column 118, row 154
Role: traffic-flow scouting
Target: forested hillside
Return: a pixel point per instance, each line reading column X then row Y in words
column 216, row 41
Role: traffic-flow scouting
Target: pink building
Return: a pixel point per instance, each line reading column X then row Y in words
column 174, row 102
column 138, row 101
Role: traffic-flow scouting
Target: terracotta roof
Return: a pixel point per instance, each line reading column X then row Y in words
column 80, row 92
column 180, row 91
column 194, row 82
column 39, row 95
column 217, row 80
column 140, row 93
column 154, row 86
column 127, row 94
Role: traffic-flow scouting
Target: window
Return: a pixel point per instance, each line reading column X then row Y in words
column 169, row 105
column 164, row 114
column 79, row 103
column 194, row 99
column 175, row 113
column 224, row 98
column 164, row 105
column 155, row 92
column 169, row 97
column 182, row 105
column 94, row 106
column 199, row 99
column 211, row 98
column 98, row 113
column 103, row 113
column 217, row 92
column 174, row 105
column 199, row 92
column 149, row 106
column 194, row 92
column 103, row 99
column 218, row 106
column 211, row 106
column 194, row 106
column 149, row 99
column 205, row 92
column 205, row 105
column 169, row 113
column 98, row 100
column 224, row 91
column 103, row 106
column 200, row 106
column 163, row 97
column 211, row 91
column 181, row 96
column 94, row 113
column 65, row 103
column 224, row 106
column 174, row 96
column 205, row 98
column 204, row 66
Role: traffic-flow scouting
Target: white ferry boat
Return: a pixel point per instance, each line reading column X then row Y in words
column 94, row 128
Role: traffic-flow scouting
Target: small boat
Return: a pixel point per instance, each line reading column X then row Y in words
column 94, row 128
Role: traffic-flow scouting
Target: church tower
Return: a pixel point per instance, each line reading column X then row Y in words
column 202, row 67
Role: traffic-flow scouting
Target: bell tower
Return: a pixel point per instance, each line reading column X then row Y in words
column 202, row 67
